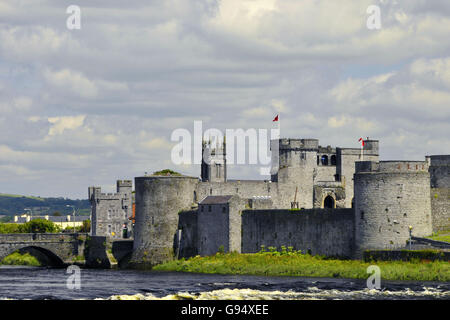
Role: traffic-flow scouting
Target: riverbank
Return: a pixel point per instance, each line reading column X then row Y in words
column 441, row 236
column 301, row 265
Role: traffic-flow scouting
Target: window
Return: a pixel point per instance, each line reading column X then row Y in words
column 109, row 229
column 333, row 160
column 224, row 209
column 109, row 213
column 324, row 160
column 209, row 208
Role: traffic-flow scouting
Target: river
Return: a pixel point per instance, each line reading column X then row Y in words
column 47, row 283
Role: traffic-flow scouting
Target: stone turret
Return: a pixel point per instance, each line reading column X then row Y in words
column 297, row 161
column 159, row 199
column 110, row 211
column 214, row 162
column 390, row 196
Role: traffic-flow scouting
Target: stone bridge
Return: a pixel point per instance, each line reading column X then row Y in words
column 57, row 249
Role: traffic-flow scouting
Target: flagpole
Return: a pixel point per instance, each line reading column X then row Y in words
column 361, row 157
column 279, row 125
column 362, row 150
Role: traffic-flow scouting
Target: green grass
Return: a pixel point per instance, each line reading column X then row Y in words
column 18, row 259
column 441, row 236
column 166, row 172
column 20, row 196
column 296, row 264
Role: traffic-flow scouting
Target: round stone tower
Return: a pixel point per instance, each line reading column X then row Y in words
column 390, row 196
column 159, row 199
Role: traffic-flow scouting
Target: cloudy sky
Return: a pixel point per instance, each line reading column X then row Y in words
column 86, row 107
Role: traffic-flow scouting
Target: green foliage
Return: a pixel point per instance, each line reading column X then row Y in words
column 221, row 250
column 293, row 263
column 6, row 228
column 38, row 226
column 20, row 259
column 86, row 227
column 166, row 172
column 441, row 236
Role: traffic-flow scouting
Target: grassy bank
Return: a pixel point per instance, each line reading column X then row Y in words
column 441, row 236
column 17, row 259
column 296, row 264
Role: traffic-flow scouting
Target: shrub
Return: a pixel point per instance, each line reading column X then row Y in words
column 166, row 172
column 16, row 258
column 9, row 228
column 39, row 226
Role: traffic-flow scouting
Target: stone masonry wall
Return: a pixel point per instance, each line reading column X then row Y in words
column 189, row 240
column 440, row 208
column 213, row 229
column 159, row 199
column 390, row 196
column 318, row 231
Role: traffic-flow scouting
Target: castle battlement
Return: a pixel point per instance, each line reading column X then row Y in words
column 391, row 167
column 125, row 183
column 380, row 202
column 294, row 144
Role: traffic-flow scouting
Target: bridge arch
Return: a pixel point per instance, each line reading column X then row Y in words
column 44, row 255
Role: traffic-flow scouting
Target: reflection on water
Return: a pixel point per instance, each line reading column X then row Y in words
column 41, row 283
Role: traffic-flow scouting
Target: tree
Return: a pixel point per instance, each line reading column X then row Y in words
column 39, row 226
column 86, row 227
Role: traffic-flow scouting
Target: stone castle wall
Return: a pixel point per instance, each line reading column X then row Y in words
column 111, row 210
column 159, row 199
column 318, row 231
column 188, row 244
column 440, row 208
column 390, row 196
column 440, row 191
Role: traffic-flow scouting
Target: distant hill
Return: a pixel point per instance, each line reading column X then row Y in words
column 11, row 205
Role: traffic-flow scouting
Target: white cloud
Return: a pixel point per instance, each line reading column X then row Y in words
column 59, row 124
column 101, row 102
column 72, row 81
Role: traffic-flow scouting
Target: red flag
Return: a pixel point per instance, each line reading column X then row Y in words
column 362, row 141
column 276, row 119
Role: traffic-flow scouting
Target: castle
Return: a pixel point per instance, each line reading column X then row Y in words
column 110, row 212
column 322, row 200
